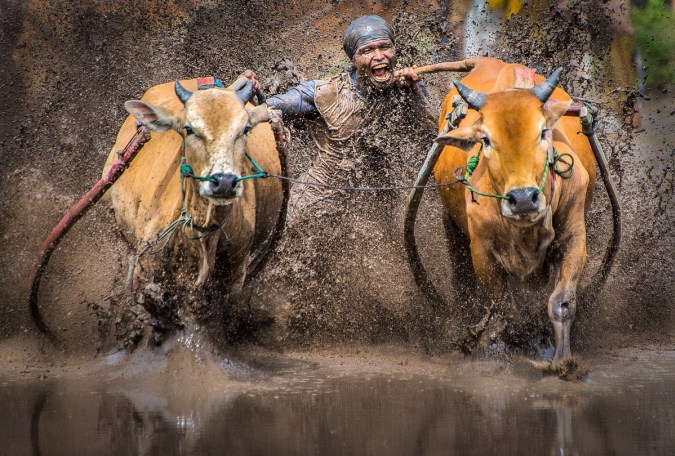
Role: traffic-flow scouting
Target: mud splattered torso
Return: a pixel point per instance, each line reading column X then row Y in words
column 343, row 110
column 353, row 138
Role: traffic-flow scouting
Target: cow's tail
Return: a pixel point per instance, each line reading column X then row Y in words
column 599, row 280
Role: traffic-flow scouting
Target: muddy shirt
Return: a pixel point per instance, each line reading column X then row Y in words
column 344, row 113
column 343, row 110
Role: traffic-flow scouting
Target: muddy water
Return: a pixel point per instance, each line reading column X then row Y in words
column 352, row 404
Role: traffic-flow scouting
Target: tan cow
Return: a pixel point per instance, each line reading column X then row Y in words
column 220, row 219
column 531, row 215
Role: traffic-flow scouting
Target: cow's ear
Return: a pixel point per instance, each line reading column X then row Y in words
column 153, row 117
column 554, row 110
column 257, row 115
column 463, row 137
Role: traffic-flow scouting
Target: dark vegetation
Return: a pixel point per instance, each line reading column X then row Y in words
column 654, row 26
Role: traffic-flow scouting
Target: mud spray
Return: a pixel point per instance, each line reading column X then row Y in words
column 339, row 277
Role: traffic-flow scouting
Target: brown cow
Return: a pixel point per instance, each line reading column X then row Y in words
column 219, row 217
column 512, row 231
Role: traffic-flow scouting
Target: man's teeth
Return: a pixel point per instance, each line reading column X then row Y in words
column 381, row 71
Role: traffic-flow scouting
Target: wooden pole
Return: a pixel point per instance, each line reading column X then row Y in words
column 460, row 65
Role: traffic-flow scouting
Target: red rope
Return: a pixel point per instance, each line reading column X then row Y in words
column 78, row 210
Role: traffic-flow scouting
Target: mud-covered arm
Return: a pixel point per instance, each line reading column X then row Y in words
column 297, row 102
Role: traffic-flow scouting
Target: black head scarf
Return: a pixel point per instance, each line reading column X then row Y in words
column 364, row 30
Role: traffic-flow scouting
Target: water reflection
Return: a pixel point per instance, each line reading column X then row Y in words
column 341, row 415
column 564, row 408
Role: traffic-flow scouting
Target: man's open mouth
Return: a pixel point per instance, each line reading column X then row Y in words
column 381, row 72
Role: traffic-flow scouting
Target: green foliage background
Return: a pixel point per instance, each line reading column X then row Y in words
column 655, row 37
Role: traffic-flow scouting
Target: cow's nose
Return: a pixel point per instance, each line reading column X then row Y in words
column 523, row 200
column 224, row 186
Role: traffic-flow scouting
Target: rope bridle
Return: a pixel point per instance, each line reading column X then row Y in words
column 185, row 221
column 552, row 162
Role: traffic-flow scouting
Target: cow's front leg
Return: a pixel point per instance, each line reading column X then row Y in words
column 488, row 270
column 207, row 249
column 238, row 277
column 490, row 276
column 562, row 305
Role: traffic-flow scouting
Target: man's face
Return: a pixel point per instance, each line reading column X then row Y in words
column 374, row 63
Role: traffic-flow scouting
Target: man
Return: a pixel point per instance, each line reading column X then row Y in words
column 370, row 45
column 347, row 101
column 340, row 270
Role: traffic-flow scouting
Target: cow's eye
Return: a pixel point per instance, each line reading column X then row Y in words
column 188, row 130
column 486, row 141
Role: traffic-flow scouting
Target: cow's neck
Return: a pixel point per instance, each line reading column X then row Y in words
column 522, row 250
column 204, row 239
column 203, row 212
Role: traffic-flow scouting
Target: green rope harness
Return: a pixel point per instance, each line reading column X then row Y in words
column 472, row 164
column 568, row 169
column 186, row 221
column 187, row 171
column 259, row 175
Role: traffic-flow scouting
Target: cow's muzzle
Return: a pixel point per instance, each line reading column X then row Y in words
column 523, row 201
column 224, row 185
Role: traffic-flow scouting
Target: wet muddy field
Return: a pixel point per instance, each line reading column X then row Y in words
column 377, row 400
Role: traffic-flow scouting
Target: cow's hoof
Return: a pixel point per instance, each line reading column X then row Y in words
column 569, row 369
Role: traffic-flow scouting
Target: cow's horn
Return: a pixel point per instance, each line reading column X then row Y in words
column 182, row 93
column 543, row 90
column 245, row 93
column 238, row 84
column 474, row 98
